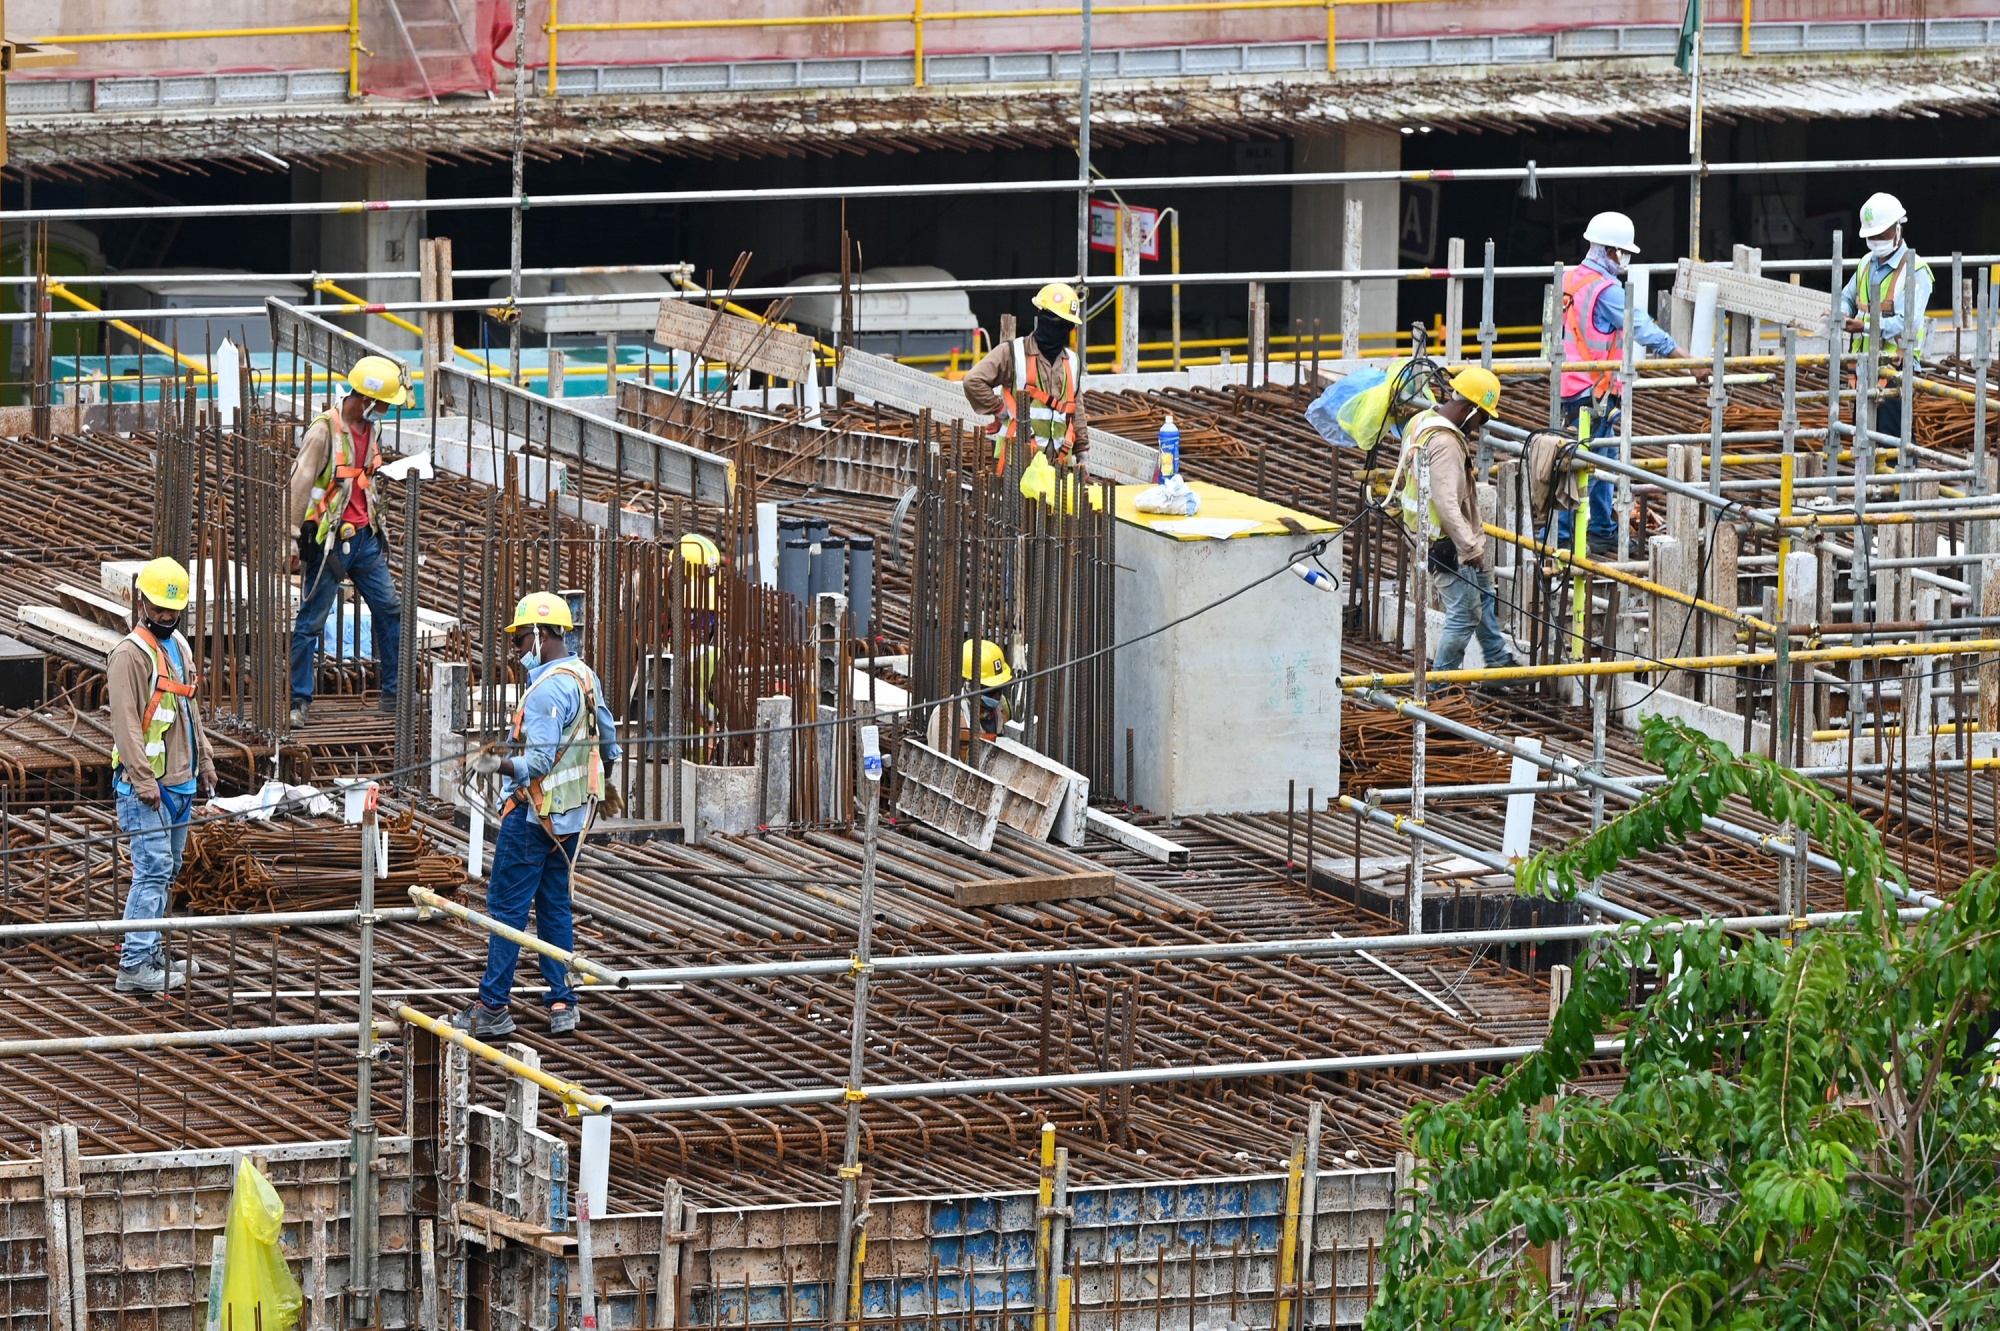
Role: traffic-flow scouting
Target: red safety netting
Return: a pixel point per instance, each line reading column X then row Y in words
column 428, row 48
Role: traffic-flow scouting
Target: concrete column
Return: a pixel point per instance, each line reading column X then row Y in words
column 374, row 241
column 1318, row 213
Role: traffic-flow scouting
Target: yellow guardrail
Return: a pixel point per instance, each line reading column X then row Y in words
column 352, row 27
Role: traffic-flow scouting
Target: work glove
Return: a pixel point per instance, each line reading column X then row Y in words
column 489, row 764
column 305, row 544
column 613, row 804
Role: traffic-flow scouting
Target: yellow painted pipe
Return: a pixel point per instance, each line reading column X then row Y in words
column 362, row 306
column 589, row 972
column 1596, row 569
column 1044, row 1237
column 1288, row 1241
column 1892, row 732
column 58, row 289
column 1737, row 661
column 574, row 1097
column 189, row 34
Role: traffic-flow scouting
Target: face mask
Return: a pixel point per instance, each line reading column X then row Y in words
column 162, row 629
column 375, row 411
column 1619, row 259
column 1882, row 246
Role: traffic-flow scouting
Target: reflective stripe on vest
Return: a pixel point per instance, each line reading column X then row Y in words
column 339, row 476
column 1418, row 434
column 1892, row 347
column 162, row 708
column 1583, row 289
column 1051, row 420
column 578, row 776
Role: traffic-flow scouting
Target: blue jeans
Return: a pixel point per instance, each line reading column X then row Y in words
column 1469, row 606
column 156, row 839
column 529, row 869
column 1603, row 530
column 367, row 568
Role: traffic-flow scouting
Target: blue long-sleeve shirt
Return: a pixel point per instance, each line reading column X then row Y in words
column 1610, row 314
column 549, row 709
column 1879, row 273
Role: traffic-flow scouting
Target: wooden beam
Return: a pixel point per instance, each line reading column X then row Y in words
column 489, row 1228
column 1015, row 891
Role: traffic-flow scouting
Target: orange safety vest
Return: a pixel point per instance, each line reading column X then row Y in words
column 1051, row 420
column 342, row 473
column 160, row 714
column 1583, row 289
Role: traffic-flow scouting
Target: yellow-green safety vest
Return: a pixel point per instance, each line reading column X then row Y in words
column 164, row 706
column 338, row 477
column 1417, row 436
column 578, row 776
column 1914, row 326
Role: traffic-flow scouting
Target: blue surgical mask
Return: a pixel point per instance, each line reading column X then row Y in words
column 532, row 658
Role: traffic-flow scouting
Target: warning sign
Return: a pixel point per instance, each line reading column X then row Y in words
column 1104, row 228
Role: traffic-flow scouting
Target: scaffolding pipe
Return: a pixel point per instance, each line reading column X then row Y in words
column 228, row 1035
column 1068, row 185
column 574, row 1097
column 1495, row 790
column 298, row 919
column 591, row 972
column 1571, row 558
column 1771, row 845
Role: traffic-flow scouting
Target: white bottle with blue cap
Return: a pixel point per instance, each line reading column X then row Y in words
column 1169, row 463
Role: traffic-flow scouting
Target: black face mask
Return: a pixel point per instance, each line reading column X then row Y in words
column 162, row 629
column 1051, row 335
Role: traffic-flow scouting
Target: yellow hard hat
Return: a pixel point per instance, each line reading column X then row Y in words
column 1059, row 299
column 1477, row 385
column 164, row 582
column 541, row 610
column 698, row 549
column 380, row 378
column 993, row 670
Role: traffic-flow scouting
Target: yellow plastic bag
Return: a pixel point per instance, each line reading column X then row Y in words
column 258, row 1290
column 1039, row 481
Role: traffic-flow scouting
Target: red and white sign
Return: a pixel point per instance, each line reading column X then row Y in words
column 1104, row 228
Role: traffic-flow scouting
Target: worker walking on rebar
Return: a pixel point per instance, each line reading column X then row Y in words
column 1438, row 440
column 551, row 790
column 151, row 681
column 1593, row 329
column 339, row 527
column 1878, row 284
column 1031, row 381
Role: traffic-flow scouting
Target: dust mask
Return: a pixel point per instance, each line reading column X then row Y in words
column 1882, row 246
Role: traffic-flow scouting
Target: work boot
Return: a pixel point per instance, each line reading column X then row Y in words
column 1511, row 663
column 481, row 1022
column 388, row 703
column 299, row 711
column 1602, row 550
column 150, row 977
column 563, row 1018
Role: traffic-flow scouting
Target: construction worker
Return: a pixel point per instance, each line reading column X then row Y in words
column 1878, row 284
column 1032, row 380
column 339, row 526
column 1593, row 329
column 701, row 562
column 151, row 681
column 1439, row 441
column 550, row 790
column 994, row 677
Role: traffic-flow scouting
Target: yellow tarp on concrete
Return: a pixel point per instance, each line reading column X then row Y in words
column 1224, row 514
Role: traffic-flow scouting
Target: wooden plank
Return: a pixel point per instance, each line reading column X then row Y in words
column 717, row 335
column 491, row 1229
column 1015, row 891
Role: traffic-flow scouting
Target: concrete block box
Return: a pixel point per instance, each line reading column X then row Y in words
column 1229, row 707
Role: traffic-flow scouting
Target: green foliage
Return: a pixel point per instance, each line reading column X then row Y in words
column 1808, row 1130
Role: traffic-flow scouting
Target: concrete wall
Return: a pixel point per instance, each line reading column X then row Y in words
column 1319, row 225
column 1226, row 709
column 358, row 242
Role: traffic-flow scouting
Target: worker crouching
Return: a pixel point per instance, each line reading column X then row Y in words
column 151, row 682
column 551, row 789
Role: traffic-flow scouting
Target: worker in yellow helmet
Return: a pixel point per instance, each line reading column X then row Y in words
column 339, row 526
column 158, row 762
column 703, row 560
column 1028, row 385
column 985, row 665
column 1439, row 440
column 551, row 787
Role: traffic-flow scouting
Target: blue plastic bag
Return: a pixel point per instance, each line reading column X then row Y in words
column 1342, row 413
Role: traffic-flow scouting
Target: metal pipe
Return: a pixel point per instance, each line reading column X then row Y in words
column 363, row 1216
column 573, row 1096
column 1139, row 184
column 100, row 1044
column 1777, row 846
column 591, row 971
column 1484, row 790
column 1570, row 557
column 300, row 919
column 864, row 947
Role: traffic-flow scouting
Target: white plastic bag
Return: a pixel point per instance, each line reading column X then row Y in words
column 1171, row 496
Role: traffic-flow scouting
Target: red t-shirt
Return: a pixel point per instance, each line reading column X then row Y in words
column 357, row 498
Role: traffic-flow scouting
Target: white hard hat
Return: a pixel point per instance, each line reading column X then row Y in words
column 1613, row 231
column 1881, row 212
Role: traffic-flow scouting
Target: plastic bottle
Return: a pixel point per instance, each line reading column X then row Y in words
column 1169, row 463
